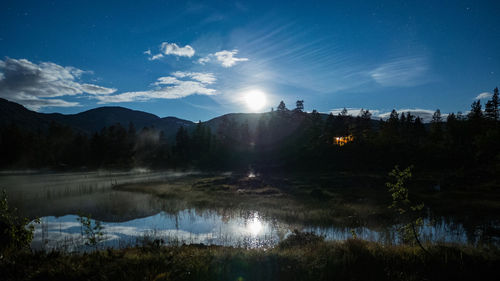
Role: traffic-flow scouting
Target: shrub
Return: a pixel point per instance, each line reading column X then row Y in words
column 93, row 232
column 16, row 232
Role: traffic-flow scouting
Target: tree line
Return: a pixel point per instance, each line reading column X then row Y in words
column 282, row 139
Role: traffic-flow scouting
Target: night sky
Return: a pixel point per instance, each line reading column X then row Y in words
column 198, row 60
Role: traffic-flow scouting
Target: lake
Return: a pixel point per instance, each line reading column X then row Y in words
column 133, row 218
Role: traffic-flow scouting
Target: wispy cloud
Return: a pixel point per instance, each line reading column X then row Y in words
column 171, row 49
column 203, row 77
column 36, row 85
column 353, row 111
column 484, row 95
column 401, row 72
column 224, row 58
column 204, row 59
column 292, row 55
column 227, row 58
column 424, row 114
column 36, row 104
column 178, row 85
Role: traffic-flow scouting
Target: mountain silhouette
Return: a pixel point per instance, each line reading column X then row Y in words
column 89, row 121
column 94, row 120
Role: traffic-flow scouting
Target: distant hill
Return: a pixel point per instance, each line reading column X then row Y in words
column 240, row 118
column 89, row 121
column 94, row 120
column 11, row 112
column 253, row 119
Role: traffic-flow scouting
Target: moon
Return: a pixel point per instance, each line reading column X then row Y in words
column 255, row 100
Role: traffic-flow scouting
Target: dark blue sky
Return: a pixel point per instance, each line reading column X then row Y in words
column 198, row 60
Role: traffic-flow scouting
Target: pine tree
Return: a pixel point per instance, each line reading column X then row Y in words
column 402, row 119
column 489, row 110
column 409, row 118
column 496, row 102
column 452, row 127
column 315, row 128
column 394, row 116
column 436, row 126
column 197, row 139
column 365, row 114
column 182, row 142
column 419, row 128
column 391, row 127
column 393, row 121
column 344, row 112
column 282, row 107
column 475, row 113
column 491, row 107
column 329, row 126
column 436, row 117
column 475, row 119
column 300, row 105
column 365, row 117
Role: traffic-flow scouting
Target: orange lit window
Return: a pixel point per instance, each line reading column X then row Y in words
column 341, row 141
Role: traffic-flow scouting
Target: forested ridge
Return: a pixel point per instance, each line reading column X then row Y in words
column 458, row 144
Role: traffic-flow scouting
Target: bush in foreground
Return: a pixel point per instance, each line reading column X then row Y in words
column 315, row 260
column 15, row 232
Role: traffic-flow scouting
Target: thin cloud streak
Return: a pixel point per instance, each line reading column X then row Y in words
column 279, row 47
column 401, row 72
column 484, row 95
column 353, row 111
column 206, row 78
column 424, row 114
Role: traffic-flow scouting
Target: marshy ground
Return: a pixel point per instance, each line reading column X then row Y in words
column 299, row 257
column 342, row 199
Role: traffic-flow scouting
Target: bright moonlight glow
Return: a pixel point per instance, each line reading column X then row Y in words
column 255, row 225
column 255, row 100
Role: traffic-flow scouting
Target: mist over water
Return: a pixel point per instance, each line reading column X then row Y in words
column 59, row 194
column 131, row 218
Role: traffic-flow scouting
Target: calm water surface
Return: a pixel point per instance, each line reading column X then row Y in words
column 137, row 218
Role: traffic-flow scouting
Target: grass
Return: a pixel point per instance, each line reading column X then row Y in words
column 323, row 199
column 343, row 199
column 288, row 199
column 297, row 258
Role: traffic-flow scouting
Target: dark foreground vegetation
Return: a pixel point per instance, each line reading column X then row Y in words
column 300, row 257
